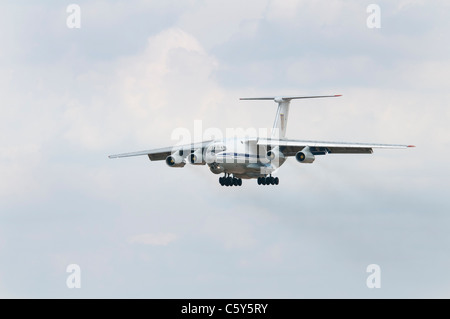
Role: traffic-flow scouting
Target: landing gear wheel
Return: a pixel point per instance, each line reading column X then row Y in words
column 268, row 180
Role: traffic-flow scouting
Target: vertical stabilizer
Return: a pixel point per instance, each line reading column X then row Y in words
column 280, row 123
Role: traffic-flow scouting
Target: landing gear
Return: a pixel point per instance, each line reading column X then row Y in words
column 268, row 180
column 227, row 180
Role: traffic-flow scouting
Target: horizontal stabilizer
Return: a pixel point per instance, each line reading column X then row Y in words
column 288, row 98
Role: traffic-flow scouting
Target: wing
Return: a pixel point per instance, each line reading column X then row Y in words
column 291, row 147
column 160, row 154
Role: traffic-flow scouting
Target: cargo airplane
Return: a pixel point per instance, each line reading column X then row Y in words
column 256, row 157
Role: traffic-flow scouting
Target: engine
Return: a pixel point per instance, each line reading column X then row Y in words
column 196, row 158
column 176, row 159
column 274, row 155
column 305, row 156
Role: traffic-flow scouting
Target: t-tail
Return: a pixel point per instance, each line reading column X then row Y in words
column 280, row 123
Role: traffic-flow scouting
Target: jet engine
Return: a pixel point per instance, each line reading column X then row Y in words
column 196, row 158
column 176, row 159
column 305, row 156
column 274, row 155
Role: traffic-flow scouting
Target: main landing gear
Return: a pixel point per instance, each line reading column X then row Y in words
column 227, row 180
column 268, row 180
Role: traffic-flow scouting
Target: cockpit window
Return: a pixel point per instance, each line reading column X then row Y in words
column 217, row 148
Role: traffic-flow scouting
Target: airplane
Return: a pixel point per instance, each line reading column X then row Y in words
column 256, row 157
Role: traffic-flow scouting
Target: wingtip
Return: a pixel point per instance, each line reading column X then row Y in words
column 411, row 146
column 337, row 95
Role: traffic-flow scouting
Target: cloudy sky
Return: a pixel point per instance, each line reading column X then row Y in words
column 136, row 70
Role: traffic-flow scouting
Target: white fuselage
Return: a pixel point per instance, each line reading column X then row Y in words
column 242, row 158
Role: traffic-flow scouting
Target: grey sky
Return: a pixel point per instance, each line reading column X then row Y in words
column 136, row 70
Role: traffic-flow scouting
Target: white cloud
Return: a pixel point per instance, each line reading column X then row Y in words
column 154, row 90
column 215, row 22
column 157, row 239
column 402, row 4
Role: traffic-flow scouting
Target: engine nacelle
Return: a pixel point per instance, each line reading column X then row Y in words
column 196, row 158
column 305, row 156
column 274, row 155
column 176, row 159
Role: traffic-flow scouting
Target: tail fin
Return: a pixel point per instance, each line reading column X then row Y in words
column 280, row 123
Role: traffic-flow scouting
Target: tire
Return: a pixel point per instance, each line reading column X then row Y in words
column 277, row 180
